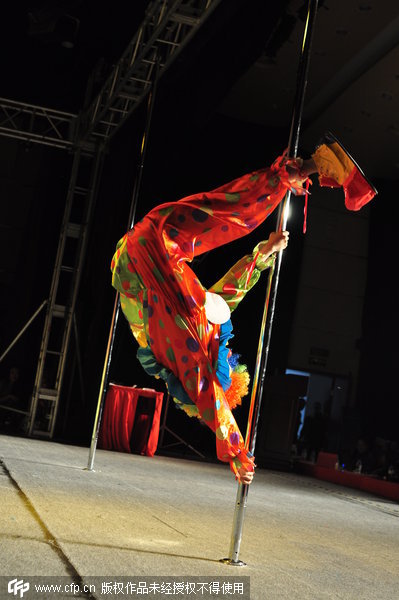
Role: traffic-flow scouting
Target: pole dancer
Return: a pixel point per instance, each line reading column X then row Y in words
column 182, row 329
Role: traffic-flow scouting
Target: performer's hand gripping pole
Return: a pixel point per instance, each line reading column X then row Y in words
column 271, row 292
column 116, row 311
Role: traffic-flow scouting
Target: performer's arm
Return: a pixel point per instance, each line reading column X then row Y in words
column 241, row 278
column 202, row 222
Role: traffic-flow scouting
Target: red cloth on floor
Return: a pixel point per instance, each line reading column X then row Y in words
column 127, row 411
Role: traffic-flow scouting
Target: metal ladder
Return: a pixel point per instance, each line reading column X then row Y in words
column 86, row 168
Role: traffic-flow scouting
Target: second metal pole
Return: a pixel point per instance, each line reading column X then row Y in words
column 116, row 311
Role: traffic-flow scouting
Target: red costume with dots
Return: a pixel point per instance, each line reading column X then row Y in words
column 163, row 299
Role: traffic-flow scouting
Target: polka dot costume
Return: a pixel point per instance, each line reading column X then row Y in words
column 163, row 300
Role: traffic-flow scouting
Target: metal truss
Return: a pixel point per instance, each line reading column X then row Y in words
column 30, row 123
column 167, row 28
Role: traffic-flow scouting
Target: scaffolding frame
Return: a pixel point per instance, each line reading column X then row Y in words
column 37, row 124
column 167, row 28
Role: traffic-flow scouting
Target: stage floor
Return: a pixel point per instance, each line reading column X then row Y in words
column 138, row 516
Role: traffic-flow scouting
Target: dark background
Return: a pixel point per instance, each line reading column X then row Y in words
column 223, row 109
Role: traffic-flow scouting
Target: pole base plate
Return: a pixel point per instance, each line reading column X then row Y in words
column 233, row 563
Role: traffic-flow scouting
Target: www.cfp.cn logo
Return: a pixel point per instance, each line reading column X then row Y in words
column 15, row 586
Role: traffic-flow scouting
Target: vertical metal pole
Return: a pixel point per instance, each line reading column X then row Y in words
column 271, row 294
column 116, row 311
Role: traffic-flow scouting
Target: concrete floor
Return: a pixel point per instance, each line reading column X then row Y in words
column 138, row 516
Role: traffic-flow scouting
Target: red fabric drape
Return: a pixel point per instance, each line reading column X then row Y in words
column 129, row 410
